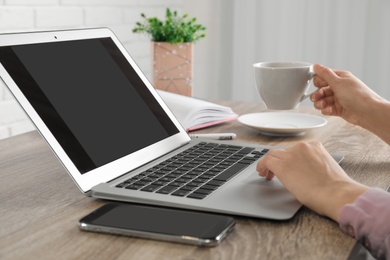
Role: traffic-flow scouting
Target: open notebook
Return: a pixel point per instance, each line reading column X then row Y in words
column 195, row 113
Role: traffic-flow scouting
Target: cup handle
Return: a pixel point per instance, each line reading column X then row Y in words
column 306, row 96
column 311, row 74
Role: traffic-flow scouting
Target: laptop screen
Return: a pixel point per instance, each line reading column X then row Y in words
column 90, row 98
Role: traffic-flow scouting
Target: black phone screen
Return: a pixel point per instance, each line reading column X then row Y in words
column 159, row 220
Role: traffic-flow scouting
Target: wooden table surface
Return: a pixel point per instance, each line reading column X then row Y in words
column 40, row 205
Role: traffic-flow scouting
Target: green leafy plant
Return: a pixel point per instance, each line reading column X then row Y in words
column 175, row 29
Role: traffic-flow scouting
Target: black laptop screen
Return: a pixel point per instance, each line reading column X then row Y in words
column 90, row 98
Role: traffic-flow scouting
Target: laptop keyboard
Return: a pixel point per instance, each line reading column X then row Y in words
column 195, row 172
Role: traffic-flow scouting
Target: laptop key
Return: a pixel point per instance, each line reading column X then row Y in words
column 133, row 187
column 230, row 172
column 121, row 185
column 151, row 188
column 160, row 183
column 167, row 189
column 209, row 187
column 197, row 196
column 195, row 184
column 180, row 193
column 246, row 150
column 203, row 191
column 176, row 184
column 247, row 161
column 215, row 183
column 141, row 183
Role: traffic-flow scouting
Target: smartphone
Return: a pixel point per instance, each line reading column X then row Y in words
column 160, row 223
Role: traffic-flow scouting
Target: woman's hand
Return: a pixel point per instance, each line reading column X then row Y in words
column 342, row 94
column 310, row 173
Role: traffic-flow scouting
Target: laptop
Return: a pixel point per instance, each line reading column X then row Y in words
column 116, row 137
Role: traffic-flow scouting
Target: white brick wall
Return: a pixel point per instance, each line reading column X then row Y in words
column 36, row 15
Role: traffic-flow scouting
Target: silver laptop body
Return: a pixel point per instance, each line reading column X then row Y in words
column 107, row 124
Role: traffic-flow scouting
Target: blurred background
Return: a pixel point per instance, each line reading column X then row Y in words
column 351, row 35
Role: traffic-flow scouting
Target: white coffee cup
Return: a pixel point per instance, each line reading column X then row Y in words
column 283, row 85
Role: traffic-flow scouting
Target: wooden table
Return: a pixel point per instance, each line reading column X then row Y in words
column 40, row 205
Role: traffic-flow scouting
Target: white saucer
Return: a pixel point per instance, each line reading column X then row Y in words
column 282, row 123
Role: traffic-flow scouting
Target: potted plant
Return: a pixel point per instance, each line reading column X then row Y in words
column 172, row 49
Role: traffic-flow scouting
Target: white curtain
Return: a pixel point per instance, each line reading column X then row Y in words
column 343, row 34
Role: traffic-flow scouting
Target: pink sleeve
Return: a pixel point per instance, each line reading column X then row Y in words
column 368, row 220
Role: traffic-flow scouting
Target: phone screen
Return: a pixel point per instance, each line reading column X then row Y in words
column 156, row 222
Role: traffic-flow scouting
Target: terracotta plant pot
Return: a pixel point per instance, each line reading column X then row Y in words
column 172, row 67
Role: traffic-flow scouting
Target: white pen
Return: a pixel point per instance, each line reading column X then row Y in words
column 215, row 136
